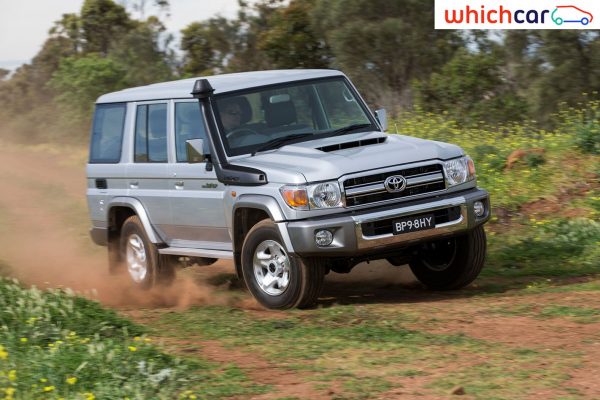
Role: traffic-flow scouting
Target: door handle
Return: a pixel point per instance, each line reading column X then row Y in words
column 134, row 184
column 178, row 184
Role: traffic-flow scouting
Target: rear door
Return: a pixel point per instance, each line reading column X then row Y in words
column 198, row 212
column 148, row 173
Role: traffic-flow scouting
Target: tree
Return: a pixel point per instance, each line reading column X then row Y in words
column 471, row 88
column 80, row 80
column 290, row 41
column 3, row 73
column 139, row 53
column 102, row 21
column 208, row 46
column 384, row 45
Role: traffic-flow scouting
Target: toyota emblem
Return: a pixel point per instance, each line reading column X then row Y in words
column 395, row 183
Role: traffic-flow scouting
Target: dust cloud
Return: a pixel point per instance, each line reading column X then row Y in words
column 44, row 239
column 44, row 236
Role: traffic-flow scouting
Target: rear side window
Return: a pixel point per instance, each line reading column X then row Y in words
column 107, row 133
column 188, row 125
column 151, row 133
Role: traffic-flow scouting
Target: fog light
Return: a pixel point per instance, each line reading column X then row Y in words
column 323, row 238
column 479, row 208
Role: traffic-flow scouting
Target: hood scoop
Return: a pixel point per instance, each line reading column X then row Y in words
column 350, row 145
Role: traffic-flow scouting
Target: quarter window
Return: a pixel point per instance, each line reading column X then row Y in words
column 107, row 133
column 151, row 133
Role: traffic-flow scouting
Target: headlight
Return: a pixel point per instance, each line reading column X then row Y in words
column 325, row 195
column 320, row 195
column 459, row 170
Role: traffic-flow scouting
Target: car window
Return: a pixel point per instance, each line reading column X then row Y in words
column 188, row 125
column 151, row 133
column 107, row 133
column 251, row 118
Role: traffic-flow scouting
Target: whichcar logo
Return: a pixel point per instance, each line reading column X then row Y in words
column 516, row 14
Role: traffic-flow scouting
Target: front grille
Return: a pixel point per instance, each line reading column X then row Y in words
column 384, row 226
column 370, row 188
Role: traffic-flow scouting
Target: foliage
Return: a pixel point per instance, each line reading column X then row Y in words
column 54, row 344
column 584, row 124
column 140, row 54
column 384, row 45
column 491, row 145
column 101, row 22
column 549, row 248
column 470, row 88
column 290, row 41
column 207, row 46
column 80, row 80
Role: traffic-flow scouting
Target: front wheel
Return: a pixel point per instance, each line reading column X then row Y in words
column 452, row 263
column 276, row 279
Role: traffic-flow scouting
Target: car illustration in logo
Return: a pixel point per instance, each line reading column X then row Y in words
column 564, row 14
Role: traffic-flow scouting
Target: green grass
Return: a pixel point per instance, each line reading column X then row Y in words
column 368, row 349
column 578, row 314
column 563, row 164
column 55, row 344
column 558, row 248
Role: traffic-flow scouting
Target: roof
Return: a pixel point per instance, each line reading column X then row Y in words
column 182, row 89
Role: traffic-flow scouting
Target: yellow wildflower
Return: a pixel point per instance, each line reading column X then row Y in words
column 71, row 380
column 49, row 388
column 12, row 375
column 132, row 348
column 147, row 340
column 23, row 340
column 9, row 392
column 43, row 380
column 3, row 353
column 137, row 339
column 89, row 396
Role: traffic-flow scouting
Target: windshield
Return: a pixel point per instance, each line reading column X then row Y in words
column 264, row 118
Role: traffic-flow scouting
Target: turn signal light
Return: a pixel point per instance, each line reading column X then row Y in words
column 295, row 197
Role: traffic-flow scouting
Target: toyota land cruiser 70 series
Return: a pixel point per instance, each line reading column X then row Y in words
column 287, row 173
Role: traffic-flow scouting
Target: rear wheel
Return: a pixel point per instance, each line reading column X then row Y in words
column 451, row 263
column 276, row 279
column 140, row 258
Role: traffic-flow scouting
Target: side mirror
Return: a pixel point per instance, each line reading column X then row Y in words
column 381, row 116
column 195, row 151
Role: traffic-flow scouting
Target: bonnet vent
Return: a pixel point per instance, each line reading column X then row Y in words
column 349, row 145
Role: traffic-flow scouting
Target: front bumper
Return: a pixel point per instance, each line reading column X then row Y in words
column 366, row 231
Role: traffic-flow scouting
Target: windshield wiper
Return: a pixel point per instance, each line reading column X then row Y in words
column 348, row 129
column 275, row 143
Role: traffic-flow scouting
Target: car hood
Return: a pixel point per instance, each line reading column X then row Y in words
column 323, row 159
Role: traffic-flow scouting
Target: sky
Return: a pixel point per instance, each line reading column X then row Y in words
column 24, row 24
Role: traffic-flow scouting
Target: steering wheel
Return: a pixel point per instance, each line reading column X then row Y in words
column 238, row 134
column 241, row 132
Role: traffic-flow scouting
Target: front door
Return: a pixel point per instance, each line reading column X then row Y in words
column 197, row 206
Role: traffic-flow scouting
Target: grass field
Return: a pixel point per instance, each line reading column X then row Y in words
column 528, row 328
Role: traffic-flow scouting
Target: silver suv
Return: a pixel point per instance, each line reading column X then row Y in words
column 288, row 173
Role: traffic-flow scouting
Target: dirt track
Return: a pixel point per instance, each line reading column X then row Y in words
column 43, row 237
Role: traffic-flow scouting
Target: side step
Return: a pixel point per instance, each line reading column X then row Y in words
column 206, row 253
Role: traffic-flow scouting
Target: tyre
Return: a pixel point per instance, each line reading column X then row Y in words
column 145, row 266
column 452, row 263
column 276, row 279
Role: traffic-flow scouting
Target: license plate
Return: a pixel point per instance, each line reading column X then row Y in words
column 413, row 224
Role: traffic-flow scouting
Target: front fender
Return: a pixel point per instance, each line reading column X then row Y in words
column 269, row 205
